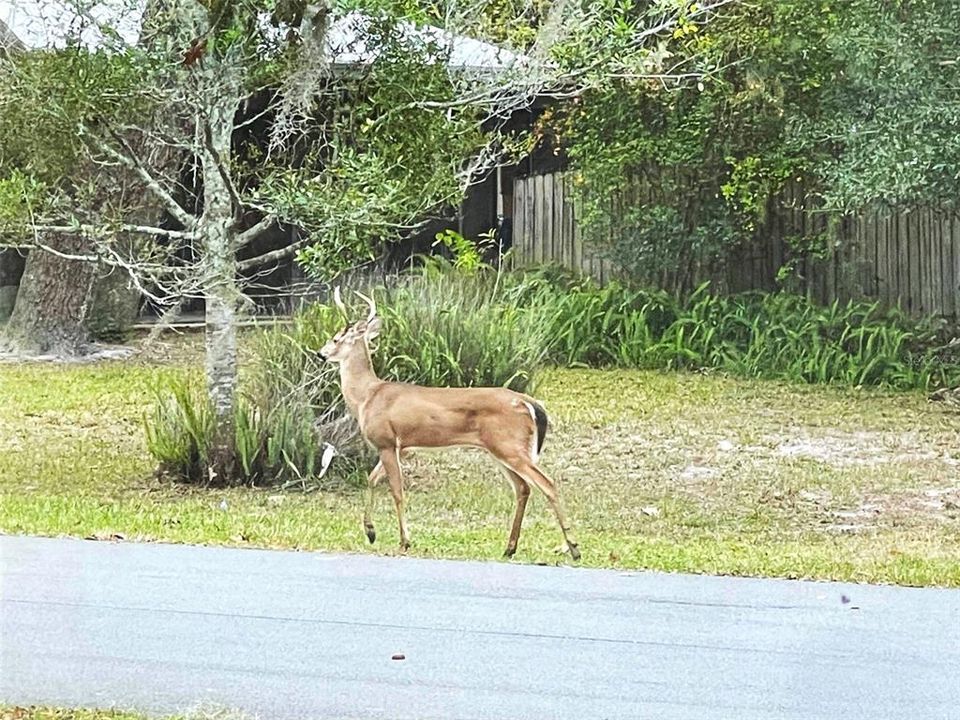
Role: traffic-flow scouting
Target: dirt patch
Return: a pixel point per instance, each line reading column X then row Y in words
column 915, row 507
column 862, row 449
column 91, row 354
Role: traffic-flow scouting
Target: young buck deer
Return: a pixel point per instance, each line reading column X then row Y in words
column 396, row 417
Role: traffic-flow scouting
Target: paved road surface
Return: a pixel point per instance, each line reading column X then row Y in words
column 301, row 635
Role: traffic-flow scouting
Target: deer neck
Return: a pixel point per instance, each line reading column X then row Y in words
column 357, row 378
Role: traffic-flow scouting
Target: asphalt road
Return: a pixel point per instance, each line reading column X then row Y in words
column 165, row 628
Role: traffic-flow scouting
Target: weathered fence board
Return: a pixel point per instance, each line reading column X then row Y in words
column 909, row 257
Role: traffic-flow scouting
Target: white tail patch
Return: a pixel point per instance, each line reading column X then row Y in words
column 534, row 455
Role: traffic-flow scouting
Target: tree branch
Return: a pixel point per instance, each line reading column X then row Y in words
column 129, row 160
column 279, row 254
column 90, row 230
column 252, row 233
column 222, row 169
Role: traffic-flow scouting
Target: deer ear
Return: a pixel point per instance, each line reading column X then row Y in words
column 372, row 329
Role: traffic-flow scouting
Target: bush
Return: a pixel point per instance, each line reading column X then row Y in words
column 443, row 327
column 288, row 409
column 752, row 334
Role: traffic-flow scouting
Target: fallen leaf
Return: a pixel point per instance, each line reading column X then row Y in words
column 398, row 656
column 106, row 537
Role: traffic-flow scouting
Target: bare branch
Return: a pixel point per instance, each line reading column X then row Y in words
column 252, row 233
column 91, row 230
column 273, row 255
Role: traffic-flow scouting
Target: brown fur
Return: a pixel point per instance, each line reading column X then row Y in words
column 396, row 417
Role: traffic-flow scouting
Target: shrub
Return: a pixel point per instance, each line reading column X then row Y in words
column 457, row 329
column 753, row 334
column 179, row 429
column 288, row 409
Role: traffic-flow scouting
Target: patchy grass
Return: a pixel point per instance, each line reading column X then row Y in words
column 53, row 713
column 48, row 713
column 676, row 472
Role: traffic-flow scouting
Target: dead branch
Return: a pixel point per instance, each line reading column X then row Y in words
column 93, row 231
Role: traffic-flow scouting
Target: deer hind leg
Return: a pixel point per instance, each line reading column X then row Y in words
column 527, row 470
column 376, row 475
column 390, row 459
column 522, row 491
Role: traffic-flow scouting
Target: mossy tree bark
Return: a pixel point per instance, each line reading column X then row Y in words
column 52, row 302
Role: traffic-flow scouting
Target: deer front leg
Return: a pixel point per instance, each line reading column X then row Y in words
column 390, row 459
column 375, row 476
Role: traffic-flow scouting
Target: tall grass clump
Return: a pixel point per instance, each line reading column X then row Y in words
column 288, row 410
column 591, row 326
column 766, row 335
column 790, row 337
column 448, row 327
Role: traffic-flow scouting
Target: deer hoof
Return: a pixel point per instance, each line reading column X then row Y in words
column 509, row 552
column 371, row 535
column 574, row 551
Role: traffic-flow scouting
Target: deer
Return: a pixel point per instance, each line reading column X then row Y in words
column 396, row 418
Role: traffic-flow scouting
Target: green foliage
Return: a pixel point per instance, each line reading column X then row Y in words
column 444, row 327
column 467, row 256
column 288, row 410
column 888, row 129
column 388, row 150
column 48, row 98
column 754, row 335
column 651, row 242
column 856, row 99
column 21, row 196
column 179, row 429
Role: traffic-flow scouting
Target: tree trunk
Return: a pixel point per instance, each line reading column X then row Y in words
column 114, row 303
column 11, row 270
column 221, row 292
column 221, row 356
column 52, row 303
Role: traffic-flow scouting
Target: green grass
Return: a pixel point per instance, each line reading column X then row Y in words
column 675, row 472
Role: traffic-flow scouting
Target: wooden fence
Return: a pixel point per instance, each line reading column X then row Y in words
column 909, row 258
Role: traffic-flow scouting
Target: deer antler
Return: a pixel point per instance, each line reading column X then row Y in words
column 370, row 303
column 338, row 301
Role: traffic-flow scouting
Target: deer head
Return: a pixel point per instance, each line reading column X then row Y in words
column 341, row 345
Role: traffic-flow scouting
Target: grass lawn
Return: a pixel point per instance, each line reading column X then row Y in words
column 49, row 713
column 37, row 713
column 675, row 472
